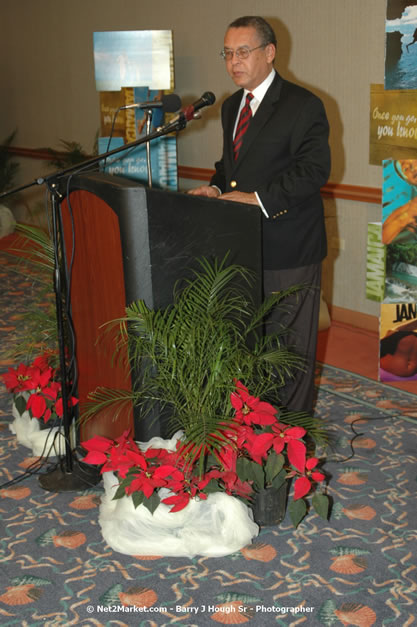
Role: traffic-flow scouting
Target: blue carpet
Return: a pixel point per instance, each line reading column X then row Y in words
column 356, row 569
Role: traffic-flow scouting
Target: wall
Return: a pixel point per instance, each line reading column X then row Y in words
column 334, row 47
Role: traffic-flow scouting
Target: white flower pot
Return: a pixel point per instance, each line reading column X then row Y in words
column 23, row 426
column 43, row 442
column 215, row 527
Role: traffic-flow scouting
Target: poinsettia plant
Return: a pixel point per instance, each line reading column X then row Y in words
column 36, row 388
column 268, row 452
column 257, row 451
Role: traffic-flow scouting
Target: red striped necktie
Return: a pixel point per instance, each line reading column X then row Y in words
column 243, row 124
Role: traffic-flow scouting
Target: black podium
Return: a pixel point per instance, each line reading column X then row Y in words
column 125, row 242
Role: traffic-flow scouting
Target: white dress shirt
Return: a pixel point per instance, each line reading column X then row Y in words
column 258, row 95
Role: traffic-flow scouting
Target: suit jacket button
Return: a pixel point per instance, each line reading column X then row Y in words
column 233, row 183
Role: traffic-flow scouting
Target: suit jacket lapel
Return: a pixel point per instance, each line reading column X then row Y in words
column 230, row 123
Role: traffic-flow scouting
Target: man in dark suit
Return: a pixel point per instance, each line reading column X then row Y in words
column 276, row 156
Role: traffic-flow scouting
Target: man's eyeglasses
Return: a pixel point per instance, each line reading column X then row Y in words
column 241, row 53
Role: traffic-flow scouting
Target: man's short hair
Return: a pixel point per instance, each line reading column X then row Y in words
column 264, row 30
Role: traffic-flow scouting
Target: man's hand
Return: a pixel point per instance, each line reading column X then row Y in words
column 205, row 190
column 213, row 192
column 247, row 198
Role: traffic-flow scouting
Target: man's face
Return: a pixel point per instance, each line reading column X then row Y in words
column 248, row 73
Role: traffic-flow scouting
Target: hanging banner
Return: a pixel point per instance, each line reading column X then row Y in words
column 398, row 342
column 393, row 125
column 375, row 263
column 399, row 229
column 134, row 67
column 398, row 321
column 401, row 45
column 130, row 58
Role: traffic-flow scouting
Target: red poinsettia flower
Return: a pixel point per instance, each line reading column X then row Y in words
column 145, row 482
column 134, row 457
column 191, row 450
column 33, row 377
column 159, row 454
column 242, row 488
column 302, row 485
column 99, row 448
column 205, row 480
column 39, row 379
column 42, row 362
column 227, row 457
column 98, row 443
column 168, row 471
column 296, row 450
column 122, row 461
column 179, row 501
column 229, row 479
column 176, row 481
column 125, row 439
column 197, row 485
column 36, row 404
column 243, row 434
column 96, row 458
column 310, row 465
column 59, row 407
column 259, row 445
column 52, row 390
column 251, row 410
column 17, row 379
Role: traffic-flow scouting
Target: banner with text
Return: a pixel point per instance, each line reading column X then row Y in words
column 393, row 124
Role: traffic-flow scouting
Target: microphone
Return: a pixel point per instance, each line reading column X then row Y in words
column 188, row 113
column 169, row 103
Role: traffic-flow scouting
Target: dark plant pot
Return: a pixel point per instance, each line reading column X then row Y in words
column 269, row 506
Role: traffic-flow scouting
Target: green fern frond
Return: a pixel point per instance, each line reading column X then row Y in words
column 34, row 255
column 106, row 398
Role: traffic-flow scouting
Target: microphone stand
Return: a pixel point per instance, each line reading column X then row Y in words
column 148, row 114
column 72, row 475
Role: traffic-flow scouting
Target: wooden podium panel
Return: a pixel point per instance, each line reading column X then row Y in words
column 97, row 297
column 135, row 243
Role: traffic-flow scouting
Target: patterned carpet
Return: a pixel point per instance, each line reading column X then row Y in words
column 356, row 569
